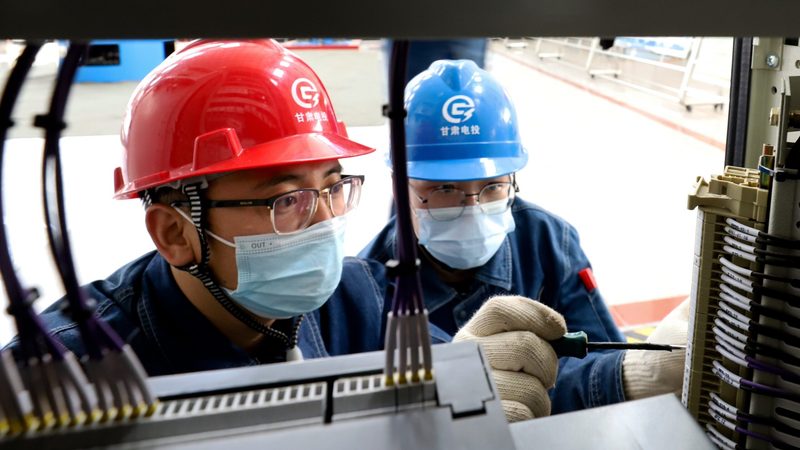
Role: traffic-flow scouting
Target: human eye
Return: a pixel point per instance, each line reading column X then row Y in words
column 446, row 189
column 495, row 187
column 287, row 201
column 337, row 187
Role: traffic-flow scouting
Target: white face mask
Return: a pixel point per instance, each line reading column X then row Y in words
column 281, row 276
column 468, row 241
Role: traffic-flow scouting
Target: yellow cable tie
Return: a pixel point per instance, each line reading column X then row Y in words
column 428, row 375
column 95, row 416
column 48, row 420
column 4, row 427
column 138, row 410
column 124, row 412
column 15, row 427
column 388, row 380
column 109, row 414
column 30, row 422
column 64, row 420
column 79, row 419
column 152, row 408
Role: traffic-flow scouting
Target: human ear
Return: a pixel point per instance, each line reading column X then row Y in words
column 174, row 237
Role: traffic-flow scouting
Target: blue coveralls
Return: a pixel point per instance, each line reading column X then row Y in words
column 541, row 260
column 144, row 305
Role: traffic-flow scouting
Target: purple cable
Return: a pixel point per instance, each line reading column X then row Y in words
column 761, row 437
column 766, row 367
column 769, row 390
column 750, row 361
column 90, row 328
column 718, row 403
column 407, row 294
column 757, row 388
column 725, row 421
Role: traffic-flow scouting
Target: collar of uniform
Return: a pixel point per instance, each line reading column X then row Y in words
column 497, row 272
column 186, row 339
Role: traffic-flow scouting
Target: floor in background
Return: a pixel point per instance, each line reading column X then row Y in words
column 354, row 80
column 704, row 122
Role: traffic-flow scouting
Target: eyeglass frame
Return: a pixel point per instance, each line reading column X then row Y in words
column 269, row 202
column 424, row 200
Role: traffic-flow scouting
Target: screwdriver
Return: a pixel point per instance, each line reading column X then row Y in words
column 577, row 345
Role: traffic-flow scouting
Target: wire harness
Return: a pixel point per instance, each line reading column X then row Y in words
column 754, row 336
column 44, row 386
column 408, row 344
column 47, row 387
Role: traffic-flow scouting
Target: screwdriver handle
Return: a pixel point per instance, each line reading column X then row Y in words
column 573, row 344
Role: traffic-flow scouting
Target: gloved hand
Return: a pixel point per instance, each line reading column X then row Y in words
column 646, row 373
column 514, row 331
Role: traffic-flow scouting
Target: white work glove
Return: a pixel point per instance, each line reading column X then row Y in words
column 513, row 332
column 646, row 372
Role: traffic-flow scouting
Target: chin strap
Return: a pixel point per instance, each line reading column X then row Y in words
column 202, row 273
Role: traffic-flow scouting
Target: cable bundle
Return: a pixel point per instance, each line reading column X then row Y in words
column 755, row 339
column 57, row 390
column 48, row 388
column 407, row 324
column 119, row 379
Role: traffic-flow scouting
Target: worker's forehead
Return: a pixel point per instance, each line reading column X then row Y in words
column 264, row 178
column 457, row 183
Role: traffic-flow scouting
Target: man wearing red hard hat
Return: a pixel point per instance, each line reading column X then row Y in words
column 234, row 148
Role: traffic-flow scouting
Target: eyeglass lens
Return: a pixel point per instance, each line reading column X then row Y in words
column 449, row 203
column 293, row 211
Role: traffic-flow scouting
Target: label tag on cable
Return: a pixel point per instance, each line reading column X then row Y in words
column 587, row 277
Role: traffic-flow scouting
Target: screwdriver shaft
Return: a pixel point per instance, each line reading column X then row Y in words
column 631, row 346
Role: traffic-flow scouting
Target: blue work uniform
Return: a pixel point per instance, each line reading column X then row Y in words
column 143, row 304
column 542, row 259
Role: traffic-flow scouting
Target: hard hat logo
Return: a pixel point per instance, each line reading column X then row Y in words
column 458, row 109
column 305, row 93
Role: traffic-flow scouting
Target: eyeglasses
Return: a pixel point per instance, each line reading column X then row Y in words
column 448, row 203
column 292, row 211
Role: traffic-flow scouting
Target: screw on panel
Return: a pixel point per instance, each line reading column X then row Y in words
column 773, row 61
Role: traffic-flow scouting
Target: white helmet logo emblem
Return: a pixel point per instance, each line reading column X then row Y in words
column 458, row 109
column 305, row 93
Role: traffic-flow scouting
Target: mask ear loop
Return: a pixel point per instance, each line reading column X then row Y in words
column 210, row 233
column 201, row 272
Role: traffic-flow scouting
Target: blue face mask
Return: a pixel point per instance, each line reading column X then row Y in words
column 282, row 276
column 468, row 241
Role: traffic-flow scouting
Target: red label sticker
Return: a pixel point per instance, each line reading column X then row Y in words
column 588, row 279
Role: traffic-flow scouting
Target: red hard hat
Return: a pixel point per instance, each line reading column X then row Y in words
column 222, row 106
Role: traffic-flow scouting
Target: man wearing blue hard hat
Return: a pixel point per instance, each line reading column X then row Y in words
column 483, row 249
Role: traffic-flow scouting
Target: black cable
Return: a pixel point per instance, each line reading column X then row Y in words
column 738, row 106
column 407, row 323
column 120, row 381
column 33, row 337
column 13, row 86
column 770, row 351
column 406, row 266
column 80, row 307
column 775, row 314
column 776, row 241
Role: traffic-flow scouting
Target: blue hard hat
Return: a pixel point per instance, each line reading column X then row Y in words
column 461, row 125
